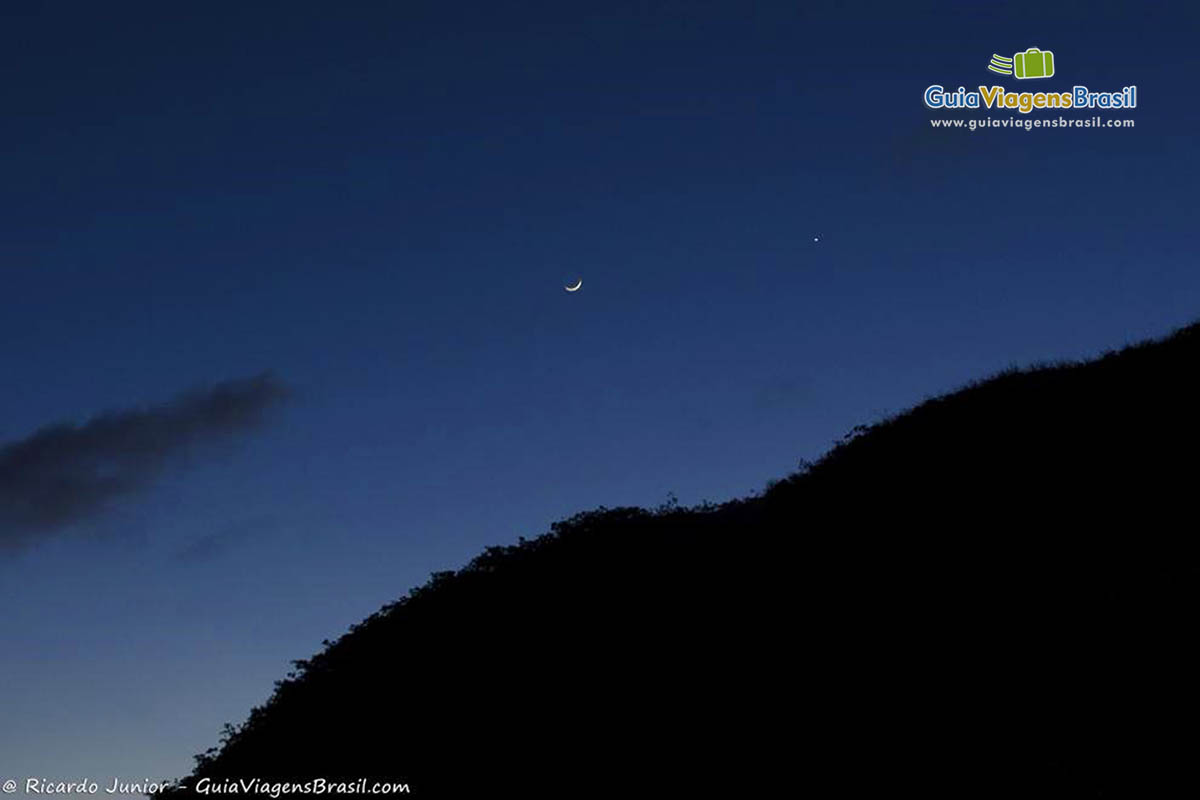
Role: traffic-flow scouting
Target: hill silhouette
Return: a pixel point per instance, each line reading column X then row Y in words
column 994, row 593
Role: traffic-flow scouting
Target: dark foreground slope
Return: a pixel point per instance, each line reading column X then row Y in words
column 995, row 593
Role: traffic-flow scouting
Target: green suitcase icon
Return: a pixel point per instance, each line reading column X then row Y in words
column 1034, row 63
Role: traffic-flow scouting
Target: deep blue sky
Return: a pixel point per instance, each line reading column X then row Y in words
column 381, row 202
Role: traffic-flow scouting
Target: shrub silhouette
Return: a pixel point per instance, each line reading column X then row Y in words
column 994, row 593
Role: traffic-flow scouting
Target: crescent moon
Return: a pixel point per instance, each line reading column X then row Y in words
column 574, row 288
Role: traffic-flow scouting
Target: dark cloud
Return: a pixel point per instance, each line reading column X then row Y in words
column 70, row 473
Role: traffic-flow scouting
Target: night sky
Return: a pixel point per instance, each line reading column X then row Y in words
column 312, row 255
